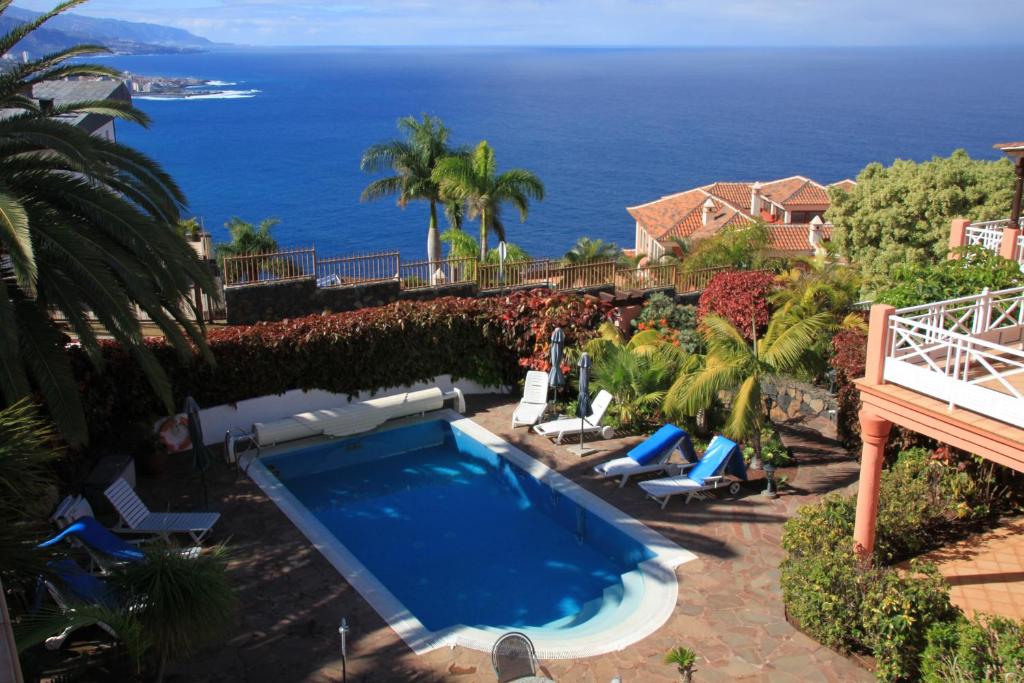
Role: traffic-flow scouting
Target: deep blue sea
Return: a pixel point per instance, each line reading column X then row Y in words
column 603, row 128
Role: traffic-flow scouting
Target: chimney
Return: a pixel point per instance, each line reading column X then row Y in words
column 814, row 232
column 709, row 206
column 755, row 200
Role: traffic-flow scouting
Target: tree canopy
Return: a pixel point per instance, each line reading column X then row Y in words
column 901, row 214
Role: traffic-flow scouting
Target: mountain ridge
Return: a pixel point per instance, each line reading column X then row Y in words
column 124, row 37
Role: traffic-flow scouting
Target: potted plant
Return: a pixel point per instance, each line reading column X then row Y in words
column 684, row 658
column 773, row 455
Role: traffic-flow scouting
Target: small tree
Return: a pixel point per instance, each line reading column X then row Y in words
column 684, row 658
column 737, row 366
column 900, row 214
column 180, row 602
column 588, row 250
column 739, row 297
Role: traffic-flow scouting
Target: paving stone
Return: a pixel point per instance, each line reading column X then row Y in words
column 730, row 610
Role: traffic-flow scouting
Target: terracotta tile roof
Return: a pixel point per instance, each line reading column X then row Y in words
column 846, row 184
column 792, row 237
column 681, row 214
column 796, row 192
column 737, row 194
column 1009, row 146
column 669, row 214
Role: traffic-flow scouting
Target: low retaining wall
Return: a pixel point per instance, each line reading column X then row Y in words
column 795, row 400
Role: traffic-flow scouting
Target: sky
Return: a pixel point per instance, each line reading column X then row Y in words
column 635, row 23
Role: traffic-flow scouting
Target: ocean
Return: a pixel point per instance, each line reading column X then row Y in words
column 603, row 128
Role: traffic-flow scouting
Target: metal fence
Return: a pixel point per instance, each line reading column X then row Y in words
column 647, row 277
column 697, row 280
column 583, row 275
column 301, row 263
column 352, row 270
column 536, row 273
column 276, row 266
column 426, row 274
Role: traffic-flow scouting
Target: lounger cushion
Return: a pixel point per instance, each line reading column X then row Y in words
column 656, row 444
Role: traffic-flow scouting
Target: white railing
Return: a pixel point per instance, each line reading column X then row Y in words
column 989, row 234
column 964, row 351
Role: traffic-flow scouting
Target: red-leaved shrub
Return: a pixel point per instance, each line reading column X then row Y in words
column 741, row 297
column 488, row 340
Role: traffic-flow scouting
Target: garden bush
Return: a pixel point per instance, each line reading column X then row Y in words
column 739, row 297
column 854, row 607
column 489, row 340
column 976, row 269
column 989, row 650
column 677, row 323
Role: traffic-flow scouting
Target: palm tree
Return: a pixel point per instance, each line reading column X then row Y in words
column 588, row 250
column 87, row 225
column 737, row 366
column 413, row 161
column 473, row 180
column 638, row 373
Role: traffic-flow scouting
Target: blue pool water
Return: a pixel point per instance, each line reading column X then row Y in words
column 458, row 534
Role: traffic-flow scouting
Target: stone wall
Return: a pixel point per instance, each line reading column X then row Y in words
column 795, row 400
column 352, row 297
column 249, row 304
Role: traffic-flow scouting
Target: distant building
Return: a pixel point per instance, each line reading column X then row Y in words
column 56, row 93
column 792, row 207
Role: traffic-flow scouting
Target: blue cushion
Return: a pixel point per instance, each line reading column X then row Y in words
column 658, row 444
column 97, row 537
column 718, row 453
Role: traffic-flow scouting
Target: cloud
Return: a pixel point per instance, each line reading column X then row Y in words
column 577, row 22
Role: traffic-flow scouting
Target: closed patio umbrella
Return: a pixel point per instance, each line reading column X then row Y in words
column 556, row 378
column 584, row 401
column 200, row 453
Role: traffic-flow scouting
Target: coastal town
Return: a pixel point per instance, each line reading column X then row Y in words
column 777, row 436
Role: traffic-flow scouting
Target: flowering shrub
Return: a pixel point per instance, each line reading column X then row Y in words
column 488, row 340
column 849, row 350
column 677, row 323
column 740, row 297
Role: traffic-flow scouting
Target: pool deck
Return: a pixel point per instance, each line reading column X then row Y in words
column 729, row 608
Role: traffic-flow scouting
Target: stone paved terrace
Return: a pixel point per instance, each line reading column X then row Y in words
column 729, row 609
column 986, row 571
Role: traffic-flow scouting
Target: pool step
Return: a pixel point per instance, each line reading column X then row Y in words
column 614, row 605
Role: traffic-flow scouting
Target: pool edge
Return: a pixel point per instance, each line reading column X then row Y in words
column 661, row 587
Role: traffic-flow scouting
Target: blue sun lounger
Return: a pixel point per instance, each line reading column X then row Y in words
column 76, row 586
column 652, row 455
column 104, row 547
column 722, row 457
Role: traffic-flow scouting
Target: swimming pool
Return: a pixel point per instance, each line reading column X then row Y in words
column 455, row 536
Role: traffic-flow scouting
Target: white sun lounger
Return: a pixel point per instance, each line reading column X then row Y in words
column 535, row 400
column 136, row 518
column 664, row 446
column 705, row 476
column 571, row 425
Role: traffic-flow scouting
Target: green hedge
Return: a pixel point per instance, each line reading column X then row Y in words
column 489, row 340
column 876, row 609
column 991, row 649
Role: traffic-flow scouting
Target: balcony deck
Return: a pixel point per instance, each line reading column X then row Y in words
column 992, row 439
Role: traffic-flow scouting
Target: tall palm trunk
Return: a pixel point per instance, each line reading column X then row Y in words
column 483, row 235
column 433, row 244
